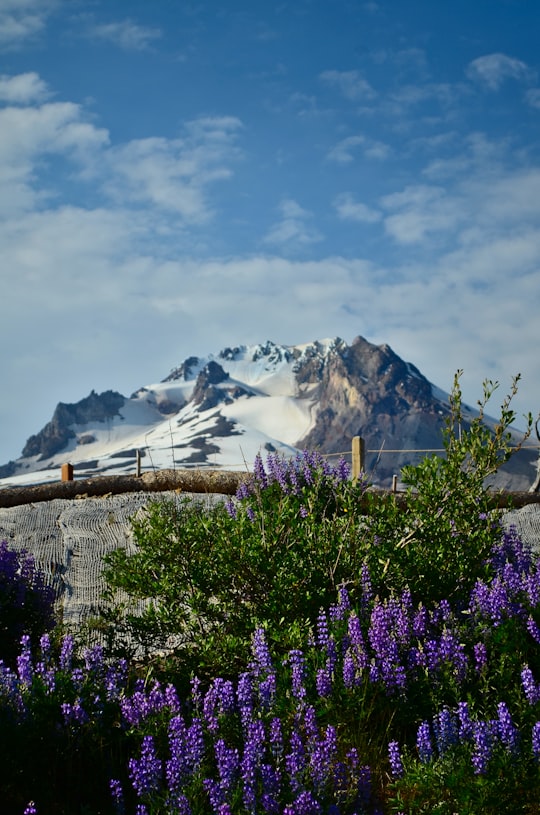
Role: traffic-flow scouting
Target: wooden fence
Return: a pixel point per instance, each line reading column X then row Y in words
column 215, row 481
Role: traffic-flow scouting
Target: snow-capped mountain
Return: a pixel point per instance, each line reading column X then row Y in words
column 220, row 411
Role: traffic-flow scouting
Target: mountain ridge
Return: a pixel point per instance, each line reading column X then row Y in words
column 221, row 410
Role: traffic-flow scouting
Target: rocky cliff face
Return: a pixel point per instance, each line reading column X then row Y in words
column 368, row 391
column 56, row 434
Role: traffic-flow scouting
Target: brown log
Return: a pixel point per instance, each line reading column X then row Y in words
column 223, row 482
column 220, row 482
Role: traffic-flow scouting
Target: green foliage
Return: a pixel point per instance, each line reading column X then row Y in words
column 212, row 574
column 436, row 541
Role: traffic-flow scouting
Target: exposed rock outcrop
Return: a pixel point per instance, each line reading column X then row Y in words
column 57, row 433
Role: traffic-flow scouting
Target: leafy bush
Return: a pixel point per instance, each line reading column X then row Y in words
column 271, row 557
column 26, row 601
column 436, row 541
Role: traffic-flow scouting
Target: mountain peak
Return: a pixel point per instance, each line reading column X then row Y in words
column 222, row 410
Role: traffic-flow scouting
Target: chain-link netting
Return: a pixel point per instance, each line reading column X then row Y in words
column 68, row 539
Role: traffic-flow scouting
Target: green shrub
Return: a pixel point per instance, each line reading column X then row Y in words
column 272, row 558
column 436, row 541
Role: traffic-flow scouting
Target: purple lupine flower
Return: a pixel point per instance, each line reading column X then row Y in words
column 178, row 803
column 420, row 621
column 295, row 761
column 349, row 671
column 141, row 705
column 267, row 691
column 322, row 757
column 271, row 787
column 93, row 658
column 74, row 713
column 172, row 702
column 275, row 738
column 66, row 653
column 366, row 585
column 508, row 732
column 423, row 743
column 535, row 741
column 311, row 727
column 178, row 765
column 118, row 795
column 228, row 762
column 483, row 745
column 196, row 695
column 322, row 633
column 298, row 668
column 261, row 652
column 533, row 629
column 446, row 730
column 306, row 804
column 25, row 666
column 357, row 644
column 530, row 688
column 219, row 699
column 215, row 794
column 465, row 724
column 259, row 472
column 230, row 506
column 195, row 743
column 244, row 695
column 251, row 759
column 145, row 772
column 323, row 682
column 394, row 755
column 115, row 679
column 342, row 470
column 480, row 656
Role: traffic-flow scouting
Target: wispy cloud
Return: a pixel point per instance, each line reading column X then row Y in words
column 350, row 210
column 533, row 97
column 173, row 174
column 21, row 20
column 126, row 34
column 492, row 70
column 343, row 151
column 351, row 84
column 293, row 228
column 420, row 211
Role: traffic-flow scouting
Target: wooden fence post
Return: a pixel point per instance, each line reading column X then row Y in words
column 67, row 472
column 358, row 456
column 138, row 463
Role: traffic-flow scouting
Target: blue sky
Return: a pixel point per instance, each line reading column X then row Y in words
column 176, row 177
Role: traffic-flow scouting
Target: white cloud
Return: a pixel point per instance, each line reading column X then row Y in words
column 420, row 211
column 293, row 229
column 351, row 84
column 126, row 34
column 23, row 89
column 22, row 19
column 28, row 135
column 492, row 70
column 342, row 152
column 169, row 175
column 172, row 174
column 350, row 210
